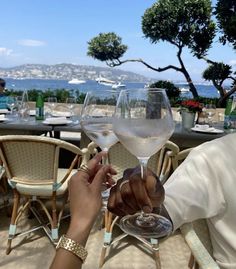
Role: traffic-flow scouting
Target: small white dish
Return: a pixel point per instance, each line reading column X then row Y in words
column 206, row 129
column 32, row 112
column 3, row 120
column 4, row 111
column 57, row 121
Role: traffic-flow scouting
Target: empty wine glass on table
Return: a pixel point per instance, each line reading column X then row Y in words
column 11, row 103
column 210, row 111
column 143, row 123
column 71, row 102
column 97, row 118
column 52, row 102
column 23, row 106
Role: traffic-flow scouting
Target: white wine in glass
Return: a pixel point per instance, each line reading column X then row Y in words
column 97, row 120
column 97, row 117
column 143, row 123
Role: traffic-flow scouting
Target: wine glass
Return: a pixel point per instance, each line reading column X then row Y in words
column 97, row 117
column 96, row 120
column 52, row 101
column 143, row 123
column 210, row 111
column 11, row 103
column 23, row 106
column 71, row 101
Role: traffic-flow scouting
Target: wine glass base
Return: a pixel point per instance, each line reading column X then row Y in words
column 155, row 226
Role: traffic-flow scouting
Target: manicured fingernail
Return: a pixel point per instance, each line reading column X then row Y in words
column 147, row 209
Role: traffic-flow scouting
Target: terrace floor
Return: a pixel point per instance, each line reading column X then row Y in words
column 36, row 251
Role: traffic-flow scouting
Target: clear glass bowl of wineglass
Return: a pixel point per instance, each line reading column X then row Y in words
column 210, row 111
column 97, row 120
column 97, row 117
column 143, row 123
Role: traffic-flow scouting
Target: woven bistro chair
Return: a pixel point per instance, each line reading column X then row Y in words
column 3, row 187
column 198, row 239
column 32, row 168
column 196, row 234
column 121, row 159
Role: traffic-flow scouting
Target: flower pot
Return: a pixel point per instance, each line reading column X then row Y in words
column 188, row 119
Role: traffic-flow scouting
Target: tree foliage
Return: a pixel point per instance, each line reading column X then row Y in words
column 225, row 12
column 171, row 90
column 182, row 23
column 106, row 47
column 217, row 72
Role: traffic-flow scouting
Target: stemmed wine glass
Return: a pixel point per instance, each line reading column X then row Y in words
column 210, row 111
column 11, row 103
column 143, row 123
column 23, row 106
column 71, row 101
column 52, row 101
column 97, row 117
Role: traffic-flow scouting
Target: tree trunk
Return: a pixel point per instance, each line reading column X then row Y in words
column 186, row 74
column 192, row 88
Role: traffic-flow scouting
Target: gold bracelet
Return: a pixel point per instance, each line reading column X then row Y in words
column 73, row 247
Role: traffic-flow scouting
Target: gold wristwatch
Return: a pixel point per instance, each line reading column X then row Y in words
column 73, row 247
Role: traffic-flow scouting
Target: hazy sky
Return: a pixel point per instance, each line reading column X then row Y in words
column 57, row 31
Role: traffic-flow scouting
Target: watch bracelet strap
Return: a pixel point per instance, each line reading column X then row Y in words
column 70, row 245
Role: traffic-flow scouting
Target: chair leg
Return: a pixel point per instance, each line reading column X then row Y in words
column 54, row 228
column 12, row 228
column 107, row 236
column 102, row 256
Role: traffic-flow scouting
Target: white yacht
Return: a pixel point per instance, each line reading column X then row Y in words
column 118, row 86
column 76, row 81
column 184, row 90
column 105, row 81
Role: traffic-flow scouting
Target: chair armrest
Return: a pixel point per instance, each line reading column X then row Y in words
column 198, row 250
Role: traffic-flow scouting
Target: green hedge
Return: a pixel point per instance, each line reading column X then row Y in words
column 61, row 94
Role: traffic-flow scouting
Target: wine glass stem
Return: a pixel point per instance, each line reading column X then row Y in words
column 105, row 158
column 143, row 166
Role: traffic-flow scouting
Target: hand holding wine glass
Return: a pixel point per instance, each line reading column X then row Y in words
column 143, row 123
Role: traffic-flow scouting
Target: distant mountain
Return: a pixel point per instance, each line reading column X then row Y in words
column 70, row 71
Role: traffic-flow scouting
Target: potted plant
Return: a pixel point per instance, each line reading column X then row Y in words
column 189, row 109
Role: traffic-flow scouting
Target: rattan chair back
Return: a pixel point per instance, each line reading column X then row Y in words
column 33, row 172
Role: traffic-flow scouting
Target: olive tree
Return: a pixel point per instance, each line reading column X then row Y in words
column 225, row 12
column 182, row 23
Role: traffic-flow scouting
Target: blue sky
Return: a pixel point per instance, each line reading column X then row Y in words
column 57, row 31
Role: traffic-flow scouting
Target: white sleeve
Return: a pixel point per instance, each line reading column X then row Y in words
column 194, row 190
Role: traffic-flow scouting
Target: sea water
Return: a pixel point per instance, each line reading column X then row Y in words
column 53, row 84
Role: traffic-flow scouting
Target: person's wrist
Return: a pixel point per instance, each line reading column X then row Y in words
column 79, row 230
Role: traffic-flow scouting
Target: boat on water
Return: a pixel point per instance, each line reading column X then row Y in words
column 76, row 81
column 118, row 86
column 105, row 81
column 184, row 90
